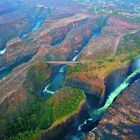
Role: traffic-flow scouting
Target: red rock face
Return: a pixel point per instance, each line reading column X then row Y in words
column 96, row 83
column 51, row 38
column 121, row 121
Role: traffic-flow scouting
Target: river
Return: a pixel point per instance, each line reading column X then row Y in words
column 35, row 27
column 5, row 72
column 57, row 81
column 96, row 114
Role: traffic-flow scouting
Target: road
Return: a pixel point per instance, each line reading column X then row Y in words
column 118, row 41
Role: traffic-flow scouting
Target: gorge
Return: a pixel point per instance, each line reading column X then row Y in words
column 96, row 114
column 69, row 70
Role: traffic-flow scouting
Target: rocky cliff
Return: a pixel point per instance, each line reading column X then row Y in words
column 121, row 120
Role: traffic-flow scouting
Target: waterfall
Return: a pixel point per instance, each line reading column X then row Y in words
column 115, row 93
column 96, row 114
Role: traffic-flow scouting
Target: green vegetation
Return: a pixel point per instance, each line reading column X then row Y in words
column 99, row 10
column 130, row 45
column 100, row 62
column 37, row 74
column 63, row 103
column 110, row 59
column 75, row 69
column 128, row 57
column 42, row 114
column 37, row 114
column 24, row 126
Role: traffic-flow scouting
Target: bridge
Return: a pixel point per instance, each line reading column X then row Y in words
column 69, row 62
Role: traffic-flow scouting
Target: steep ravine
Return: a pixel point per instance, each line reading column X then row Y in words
column 121, row 120
column 6, row 69
column 92, row 96
column 121, row 80
column 132, row 74
column 36, row 26
column 56, row 83
column 19, row 49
